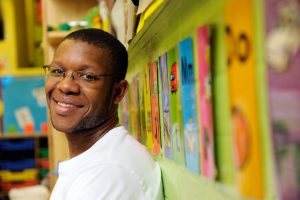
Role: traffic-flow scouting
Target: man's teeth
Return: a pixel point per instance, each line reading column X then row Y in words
column 65, row 104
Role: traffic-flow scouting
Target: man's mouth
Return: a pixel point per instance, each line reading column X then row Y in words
column 66, row 107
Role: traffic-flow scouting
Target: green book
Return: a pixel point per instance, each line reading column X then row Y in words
column 175, row 107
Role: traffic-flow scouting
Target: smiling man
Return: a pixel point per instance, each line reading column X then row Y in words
column 84, row 84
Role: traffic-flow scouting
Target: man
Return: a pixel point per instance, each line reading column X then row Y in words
column 84, row 84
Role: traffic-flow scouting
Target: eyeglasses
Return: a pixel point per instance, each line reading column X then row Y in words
column 58, row 73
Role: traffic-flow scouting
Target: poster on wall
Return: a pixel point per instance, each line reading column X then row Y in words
column 239, row 22
column 205, row 104
column 24, row 111
column 189, row 110
column 282, row 20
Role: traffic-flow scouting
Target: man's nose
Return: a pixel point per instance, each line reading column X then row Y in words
column 68, row 84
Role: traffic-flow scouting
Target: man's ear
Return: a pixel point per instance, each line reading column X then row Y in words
column 120, row 91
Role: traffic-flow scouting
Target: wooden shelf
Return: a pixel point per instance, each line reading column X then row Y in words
column 164, row 22
column 24, row 71
column 55, row 37
column 170, row 22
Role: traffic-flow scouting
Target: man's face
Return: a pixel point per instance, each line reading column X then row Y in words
column 75, row 107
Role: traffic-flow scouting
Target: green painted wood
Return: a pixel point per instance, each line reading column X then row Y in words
column 223, row 133
column 181, row 184
column 264, row 121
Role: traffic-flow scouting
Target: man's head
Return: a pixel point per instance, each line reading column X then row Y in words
column 85, row 80
column 103, row 40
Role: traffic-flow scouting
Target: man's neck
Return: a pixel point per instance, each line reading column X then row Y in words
column 80, row 142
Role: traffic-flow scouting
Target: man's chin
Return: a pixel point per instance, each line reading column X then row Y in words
column 62, row 127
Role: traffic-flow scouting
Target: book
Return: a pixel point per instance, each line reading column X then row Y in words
column 124, row 111
column 147, row 106
column 134, row 109
column 189, row 110
column 205, row 103
column 243, row 97
column 155, row 107
column 176, row 107
column 141, row 107
column 165, row 106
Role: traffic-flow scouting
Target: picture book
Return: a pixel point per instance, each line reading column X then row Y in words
column 175, row 106
column 283, row 58
column 189, row 112
column 165, row 119
column 124, row 111
column 141, row 107
column 239, row 21
column 205, row 104
column 148, row 112
column 134, row 108
column 155, row 107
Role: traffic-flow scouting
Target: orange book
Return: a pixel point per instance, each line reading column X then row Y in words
column 147, row 104
column 239, row 21
column 155, row 107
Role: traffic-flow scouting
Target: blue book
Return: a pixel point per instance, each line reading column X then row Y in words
column 165, row 105
column 189, row 109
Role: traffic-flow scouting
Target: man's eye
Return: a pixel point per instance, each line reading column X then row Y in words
column 87, row 77
column 56, row 71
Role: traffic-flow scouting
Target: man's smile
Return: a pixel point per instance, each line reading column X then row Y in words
column 65, row 107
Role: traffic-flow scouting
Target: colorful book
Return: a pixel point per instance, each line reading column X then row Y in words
column 147, row 104
column 176, row 107
column 165, row 119
column 134, row 108
column 205, row 104
column 189, row 108
column 124, row 111
column 141, row 107
column 155, row 107
column 242, row 72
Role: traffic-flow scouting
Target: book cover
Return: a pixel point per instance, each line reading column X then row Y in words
column 176, row 107
column 124, row 111
column 141, row 107
column 205, row 104
column 165, row 106
column 189, row 110
column 155, row 107
column 239, row 21
column 283, row 58
column 134, row 109
column 147, row 104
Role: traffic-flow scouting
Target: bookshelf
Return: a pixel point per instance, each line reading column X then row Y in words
column 21, row 56
column 172, row 22
column 168, row 25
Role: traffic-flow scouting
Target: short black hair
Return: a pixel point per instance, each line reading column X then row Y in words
column 104, row 40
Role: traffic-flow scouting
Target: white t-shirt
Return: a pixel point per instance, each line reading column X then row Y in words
column 115, row 167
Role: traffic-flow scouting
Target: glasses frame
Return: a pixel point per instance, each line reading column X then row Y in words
column 76, row 77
